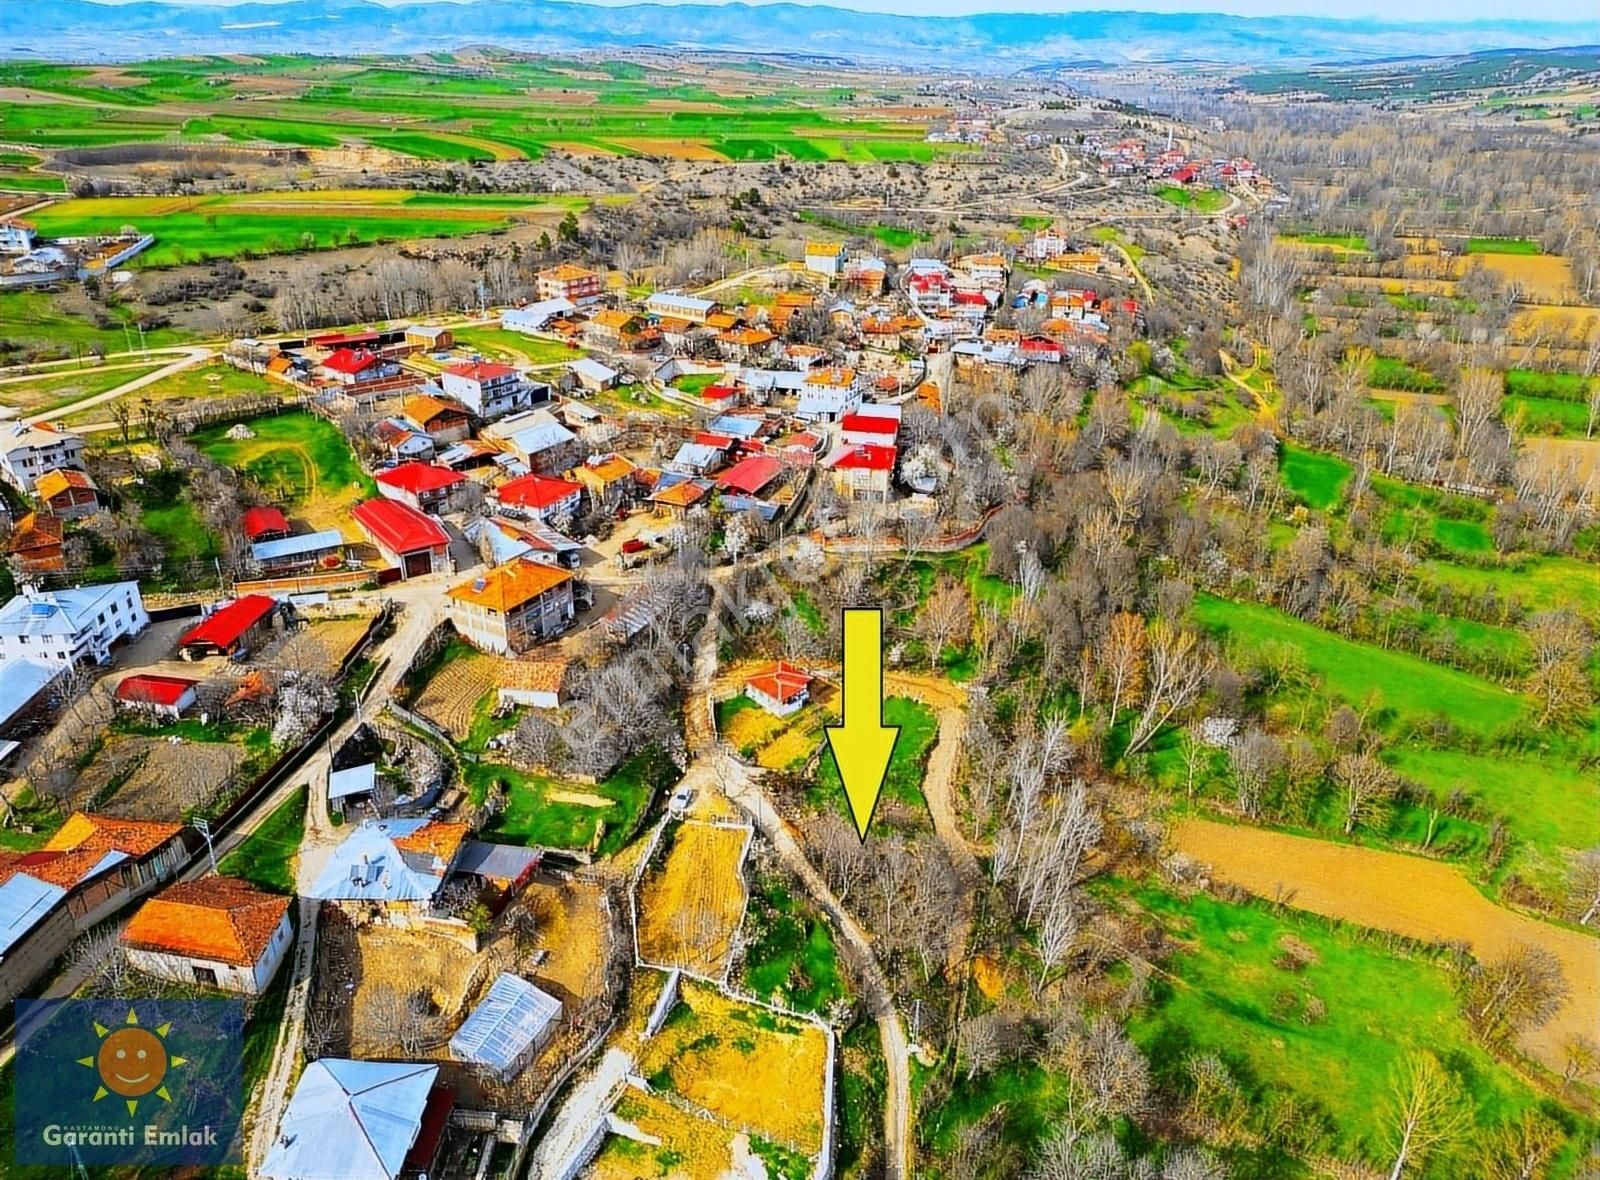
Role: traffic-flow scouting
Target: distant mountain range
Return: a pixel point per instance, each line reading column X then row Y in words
column 77, row 30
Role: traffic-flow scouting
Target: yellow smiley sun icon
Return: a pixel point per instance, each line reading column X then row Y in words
column 132, row 1061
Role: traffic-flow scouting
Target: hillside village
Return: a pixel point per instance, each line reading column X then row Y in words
column 452, row 688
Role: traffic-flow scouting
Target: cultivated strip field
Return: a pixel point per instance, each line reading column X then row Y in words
column 690, row 907
column 1408, row 895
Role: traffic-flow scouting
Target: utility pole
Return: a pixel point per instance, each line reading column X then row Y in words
column 203, row 826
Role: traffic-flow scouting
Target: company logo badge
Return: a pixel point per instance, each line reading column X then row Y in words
column 149, row 1082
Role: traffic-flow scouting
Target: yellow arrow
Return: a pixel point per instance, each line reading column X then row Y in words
column 863, row 744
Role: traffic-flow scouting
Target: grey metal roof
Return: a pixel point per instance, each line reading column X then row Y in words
column 355, row 780
column 298, row 545
column 20, row 682
column 367, row 866
column 61, row 612
column 512, row 1017
column 503, row 862
column 350, row 1120
column 24, row 901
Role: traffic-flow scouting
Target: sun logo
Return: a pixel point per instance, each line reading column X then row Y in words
column 132, row 1061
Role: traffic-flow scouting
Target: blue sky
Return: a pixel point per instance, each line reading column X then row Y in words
column 1453, row 11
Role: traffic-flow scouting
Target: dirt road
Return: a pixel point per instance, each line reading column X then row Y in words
column 188, row 359
column 1409, row 895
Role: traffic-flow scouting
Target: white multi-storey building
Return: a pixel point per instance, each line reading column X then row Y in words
column 27, row 452
column 68, row 627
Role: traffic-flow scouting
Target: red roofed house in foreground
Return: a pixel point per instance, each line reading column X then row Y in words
column 862, row 472
column 424, row 486
column 538, row 497
column 217, row 931
column 239, row 626
column 167, row 696
column 861, row 428
column 751, row 475
column 404, row 537
column 781, row 688
column 264, row 523
column 356, row 366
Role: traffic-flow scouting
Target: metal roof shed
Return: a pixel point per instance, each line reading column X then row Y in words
column 350, row 1120
column 503, row 1033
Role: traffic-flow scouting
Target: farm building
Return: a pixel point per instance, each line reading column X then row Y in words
column 262, row 522
column 36, row 543
column 535, row 684
column 218, row 932
column 781, row 688
column 676, row 305
column 608, row 479
column 354, row 782
column 303, row 551
column 538, row 497
column 679, row 495
column 491, row 390
column 357, row 366
column 67, row 493
column 442, row 421
column 27, row 452
column 870, row 427
column 592, row 376
column 536, row 316
column 751, row 475
column 513, row 606
column 504, row 1032
column 400, row 863
column 165, row 696
column 824, row 258
column 71, row 626
column 423, row 486
column 360, row 1120
column 406, row 539
column 25, row 696
column 541, row 442
column 429, row 337
column 242, row 625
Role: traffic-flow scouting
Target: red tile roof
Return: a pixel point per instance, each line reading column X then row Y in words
column 419, row 477
column 480, row 371
column 263, row 519
column 536, row 491
column 218, row 918
column 347, row 360
column 148, row 689
column 718, row 392
column 398, row 527
column 869, row 424
column 225, row 627
column 865, row 457
column 751, row 475
column 781, row 681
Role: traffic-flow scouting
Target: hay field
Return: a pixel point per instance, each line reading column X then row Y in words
column 757, row 1070
column 1409, row 895
column 689, row 908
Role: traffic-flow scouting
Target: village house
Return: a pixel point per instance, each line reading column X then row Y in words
column 29, row 452
column 491, row 390
column 576, row 284
column 218, row 932
column 470, row 454
column 442, row 421
column 538, row 497
column 430, row 337
column 536, row 317
column 36, row 542
column 423, row 486
column 746, row 345
column 861, row 472
column 242, row 625
column 161, row 696
column 677, row 305
column 825, row 258
column 828, row 393
column 699, row 458
column 780, row 688
column 402, row 441
column 510, row 608
column 608, row 479
column 865, row 275
column 16, row 235
column 360, row 1120
column 754, row 475
column 612, row 329
column 500, row 539
column 399, row 864
column 675, row 494
column 299, row 552
column 871, row 425
column 69, row 627
column 67, row 493
column 357, row 366
column 593, row 377
column 533, row 684
column 404, row 537
column 539, row 441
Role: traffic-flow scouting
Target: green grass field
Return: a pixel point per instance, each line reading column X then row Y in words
column 789, row 954
column 1414, row 689
column 1534, row 383
column 1540, row 583
column 919, row 729
column 1313, row 476
column 50, row 326
column 267, row 854
column 300, row 459
column 530, row 816
column 227, row 225
column 1227, row 994
column 199, row 383
column 499, row 344
column 895, row 237
column 1503, row 246
column 55, row 388
column 1547, row 415
column 1389, row 372
column 1199, row 200
column 1341, row 241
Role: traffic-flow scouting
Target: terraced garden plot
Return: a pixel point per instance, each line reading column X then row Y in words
column 760, row 1071
column 453, row 696
column 691, row 901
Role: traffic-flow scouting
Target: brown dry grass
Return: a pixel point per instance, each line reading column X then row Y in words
column 408, row 962
column 673, row 149
column 324, row 643
column 1578, row 458
column 758, row 1070
column 451, row 698
column 570, row 918
column 1409, row 895
column 689, row 908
